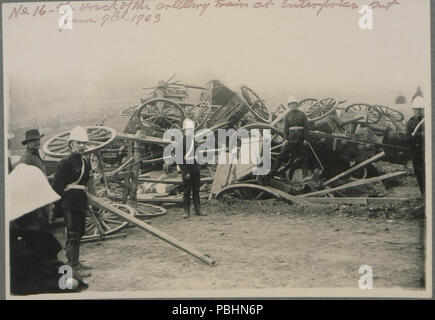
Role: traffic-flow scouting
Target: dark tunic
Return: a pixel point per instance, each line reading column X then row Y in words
column 295, row 131
column 188, row 168
column 416, row 145
column 295, row 118
column 33, row 158
column 191, row 174
column 67, row 172
column 416, row 142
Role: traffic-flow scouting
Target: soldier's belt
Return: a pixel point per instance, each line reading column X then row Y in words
column 295, row 128
column 75, row 186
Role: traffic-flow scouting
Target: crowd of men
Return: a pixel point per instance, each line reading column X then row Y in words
column 33, row 202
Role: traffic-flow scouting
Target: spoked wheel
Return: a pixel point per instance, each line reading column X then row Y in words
column 198, row 113
column 321, row 108
column 146, row 210
column 128, row 111
column 389, row 113
column 99, row 137
column 305, row 104
column 256, row 104
column 101, row 223
column 373, row 114
column 161, row 114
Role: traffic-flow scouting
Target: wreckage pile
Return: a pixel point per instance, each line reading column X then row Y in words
column 343, row 143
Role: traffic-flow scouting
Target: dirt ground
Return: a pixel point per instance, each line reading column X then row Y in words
column 268, row 244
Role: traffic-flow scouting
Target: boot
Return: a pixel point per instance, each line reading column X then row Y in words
column 199, row 212
column 84, row 266
column 81, row 273
column 273, row 170
column 186, row 213
column 73, row 253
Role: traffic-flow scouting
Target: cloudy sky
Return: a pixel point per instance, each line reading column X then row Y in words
column 275, row 51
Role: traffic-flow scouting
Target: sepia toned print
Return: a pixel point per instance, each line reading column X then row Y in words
column 303, row 153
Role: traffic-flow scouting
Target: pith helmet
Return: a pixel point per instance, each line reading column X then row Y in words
column 418, row 103
column 78, row 134
column 188, row 124
column 28, row 190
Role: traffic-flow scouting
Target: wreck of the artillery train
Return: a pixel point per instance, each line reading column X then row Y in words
column 128, row 164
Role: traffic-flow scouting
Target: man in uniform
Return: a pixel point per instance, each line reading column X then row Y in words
column 72, row 177
column 295, row 131
column 34, row 267
column 190, row 171
column 415, row 138
column 31, row 156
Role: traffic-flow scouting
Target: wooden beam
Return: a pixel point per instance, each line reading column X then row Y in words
column 146, row 227
column 353, row 184
column 354, row 200
column 356, row 167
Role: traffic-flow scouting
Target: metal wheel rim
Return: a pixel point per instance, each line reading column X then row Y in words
column 257, row 107
column 99, row 136
column 158, row 118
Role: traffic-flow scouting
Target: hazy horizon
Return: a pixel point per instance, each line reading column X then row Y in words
column 276, row 52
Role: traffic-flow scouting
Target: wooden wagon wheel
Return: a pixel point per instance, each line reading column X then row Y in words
column 101, row 223
column 199, row 113
column 161, row 114
column 321, row 108
column 390, row 113
column 373, row 114
column 146, row 210
column 256, row 104
column 128, row 111
column 304, row 104
column 99, row 137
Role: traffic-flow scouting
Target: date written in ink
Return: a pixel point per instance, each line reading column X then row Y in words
column 136, row 19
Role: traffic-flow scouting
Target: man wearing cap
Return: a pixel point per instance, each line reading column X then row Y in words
column 189, row 170
column 34, row 267
column 31, row 156
column 295, row 131
column 72, row 177
column 415, row 138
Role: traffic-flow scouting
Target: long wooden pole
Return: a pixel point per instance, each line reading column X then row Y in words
column 354, row 168
column 155, row 232
column 353, row 184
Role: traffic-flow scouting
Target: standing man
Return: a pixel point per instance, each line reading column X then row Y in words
column 189, row 170
column 72, row 177
column 295, row 131
column 415, row 138
column 31, row 156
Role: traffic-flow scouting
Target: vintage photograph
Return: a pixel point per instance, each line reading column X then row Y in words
column 216, row 148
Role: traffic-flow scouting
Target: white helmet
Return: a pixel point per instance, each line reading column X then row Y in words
column 28, row 190
column 291, row 100
column 78, row 134
column 188, row 124
column 418, row 103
